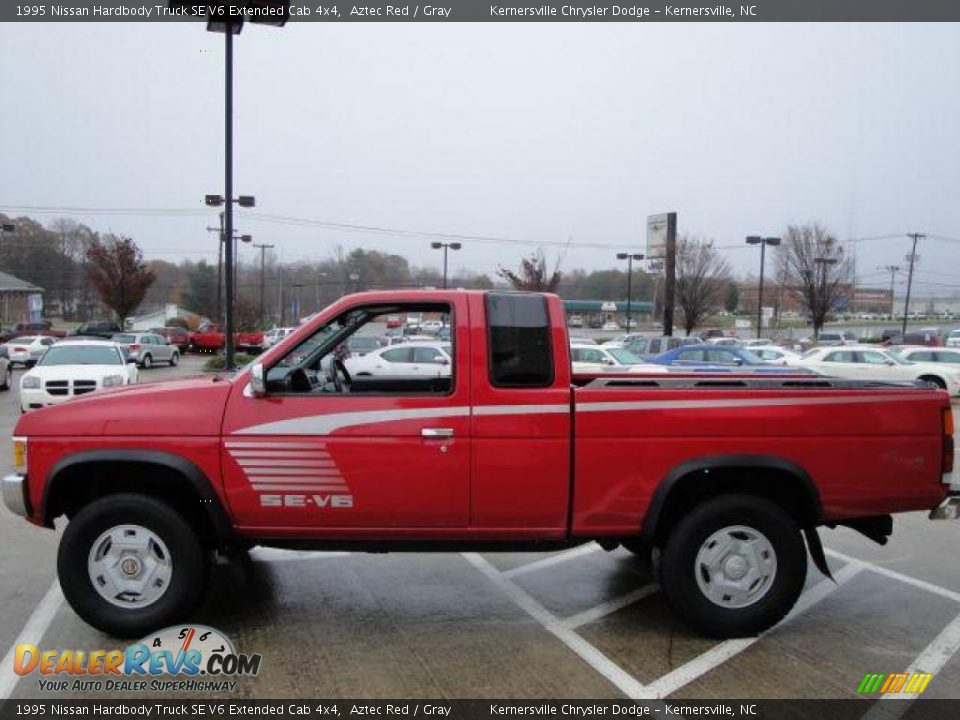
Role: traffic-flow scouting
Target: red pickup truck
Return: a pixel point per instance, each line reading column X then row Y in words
column 211, row 338
column 501, row 447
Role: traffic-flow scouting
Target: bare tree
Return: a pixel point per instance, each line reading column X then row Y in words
column 119, row 273
column 817, row 270
column 533, row 274
column 703, row 277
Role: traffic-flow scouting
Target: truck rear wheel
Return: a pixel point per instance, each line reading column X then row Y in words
column 734, row 566
column 129, row 564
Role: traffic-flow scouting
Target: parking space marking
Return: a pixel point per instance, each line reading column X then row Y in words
column 611, row 606
column 624, row 681
column 552, row 560
column 931, row 660
column 906, row 579
column 716, row 656
column 32, row 632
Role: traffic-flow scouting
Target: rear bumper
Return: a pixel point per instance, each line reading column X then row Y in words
column 948, row 509
column 15, row 494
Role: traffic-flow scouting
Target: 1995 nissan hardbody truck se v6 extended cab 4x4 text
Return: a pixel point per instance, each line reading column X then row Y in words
column 498, row 446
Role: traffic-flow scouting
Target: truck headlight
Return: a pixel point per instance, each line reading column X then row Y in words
column 20, row 455
column 30, row 382
column 113, row 381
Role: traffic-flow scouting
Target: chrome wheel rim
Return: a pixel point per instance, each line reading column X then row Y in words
column 736, row 566
column 130, row 566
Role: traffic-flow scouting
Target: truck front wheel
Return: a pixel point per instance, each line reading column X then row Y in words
column 129, row 564
column 734, row 566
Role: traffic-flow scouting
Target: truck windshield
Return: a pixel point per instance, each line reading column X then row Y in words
column 81, row 355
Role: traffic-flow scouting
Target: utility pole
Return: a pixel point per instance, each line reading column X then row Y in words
column 913, row 256
column 670, row 272
column 893, row 270
column 263, row 277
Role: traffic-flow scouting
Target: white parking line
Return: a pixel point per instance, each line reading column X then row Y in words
column 32, row 632
column 552, row 560
column 610, row 606
column 907, row 579
column 623, row 680
column 931, row 660
column 719, row 654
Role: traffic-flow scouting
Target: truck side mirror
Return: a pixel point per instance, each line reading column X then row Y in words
column 258, row 383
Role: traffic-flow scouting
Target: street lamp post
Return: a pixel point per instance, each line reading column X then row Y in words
column 222, row 18
column 445, row 246
column 762, row 242
column 629, row 257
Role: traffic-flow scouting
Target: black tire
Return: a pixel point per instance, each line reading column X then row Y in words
column 147, row 362
column 187, row 580
column 678, row 570
column 934, row 380
column 174, row 359
column 7, row 378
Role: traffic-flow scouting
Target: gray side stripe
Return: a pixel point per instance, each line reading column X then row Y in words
column 735, row 403
column 326, row 424
column 520, row 409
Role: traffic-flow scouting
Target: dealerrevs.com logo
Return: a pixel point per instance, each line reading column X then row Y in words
column 199, row 658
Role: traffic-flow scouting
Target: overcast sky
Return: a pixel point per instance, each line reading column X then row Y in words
column 535, row 132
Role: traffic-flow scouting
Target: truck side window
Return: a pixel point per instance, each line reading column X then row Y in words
column 518, row 330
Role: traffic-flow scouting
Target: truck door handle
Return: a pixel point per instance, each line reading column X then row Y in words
column 437, row 432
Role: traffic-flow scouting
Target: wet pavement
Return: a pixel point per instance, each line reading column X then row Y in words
column 583, row 623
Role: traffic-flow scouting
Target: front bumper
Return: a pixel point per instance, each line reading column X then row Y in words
column 948, row 509
column 15, row 494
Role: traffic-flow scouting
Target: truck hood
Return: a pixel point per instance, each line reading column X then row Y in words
column 191, row 407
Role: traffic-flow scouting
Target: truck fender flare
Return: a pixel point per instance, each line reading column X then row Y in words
column 712, row 462
column 219, row 519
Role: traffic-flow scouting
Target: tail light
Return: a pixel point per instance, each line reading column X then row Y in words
column 135, row 346
column 946, row 461
column 19, row 349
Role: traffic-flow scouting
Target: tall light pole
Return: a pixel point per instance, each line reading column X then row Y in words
column 893, row 270
column 445, row 246
column 762, row 242
column 629, row 257
column 263, row 247
column 221, row 17
column 912, row 258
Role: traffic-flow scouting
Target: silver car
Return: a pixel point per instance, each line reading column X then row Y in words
column 147, row 349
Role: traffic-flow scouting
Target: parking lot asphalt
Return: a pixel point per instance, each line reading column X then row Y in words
column 582, row 623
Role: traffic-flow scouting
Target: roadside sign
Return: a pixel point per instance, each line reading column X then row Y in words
column 657, row 236
column 741, row 324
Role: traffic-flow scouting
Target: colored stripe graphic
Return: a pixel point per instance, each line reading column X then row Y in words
column 278, row 466
column 907, row 683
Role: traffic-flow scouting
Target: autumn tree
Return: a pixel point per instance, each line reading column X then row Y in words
column 815, row 267
column 703, row 277
column 119, row 273
column 533, row 274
